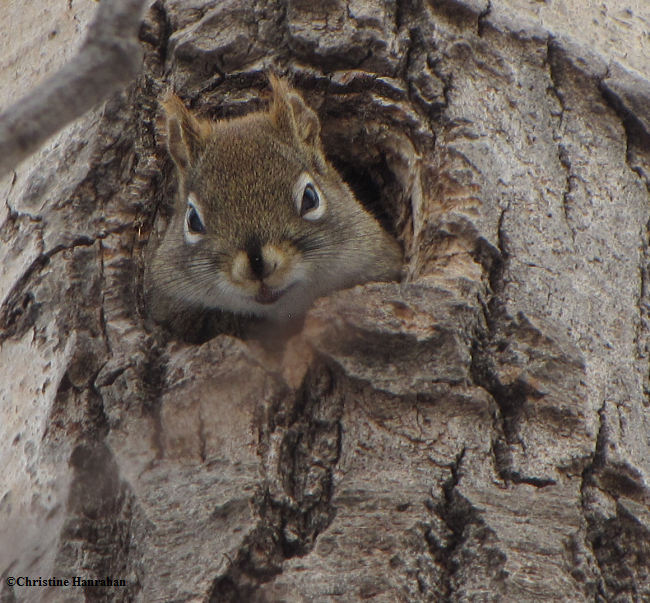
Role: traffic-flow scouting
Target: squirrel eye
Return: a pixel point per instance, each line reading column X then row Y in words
column 194, row 225
column 194, row 221
column 309, row 200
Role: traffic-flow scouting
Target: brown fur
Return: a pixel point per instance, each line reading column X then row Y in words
column 243, row 176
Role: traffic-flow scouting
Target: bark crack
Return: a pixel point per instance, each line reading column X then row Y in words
column 617, row 547
column 467, row 535
column 18, row 312
column 552, row 59
column 642, row 331
column 102, row 309
column 636, row 135
column 159, row 33
column 618, row 542
column 565, row 161
column 636, row 139
column 14, row 318
column 482, row 19
column 291, row 519
column 496, row 275
column 455, row 517
column 512, row 397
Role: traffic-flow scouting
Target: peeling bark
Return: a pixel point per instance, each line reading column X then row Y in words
column 476, row 432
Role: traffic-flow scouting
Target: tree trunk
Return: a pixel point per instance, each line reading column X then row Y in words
column 477, row 432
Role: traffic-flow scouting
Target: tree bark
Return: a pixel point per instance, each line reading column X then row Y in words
column 477, row 432
column 109, row 58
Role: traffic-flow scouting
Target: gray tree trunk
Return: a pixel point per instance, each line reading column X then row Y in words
column 478, row 432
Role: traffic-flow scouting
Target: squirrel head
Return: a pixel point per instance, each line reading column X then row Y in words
column 263, row 224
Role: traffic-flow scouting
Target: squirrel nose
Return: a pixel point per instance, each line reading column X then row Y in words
column 257, row 265
column 260, row 267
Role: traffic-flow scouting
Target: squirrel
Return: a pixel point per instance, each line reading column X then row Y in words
column 263, row 224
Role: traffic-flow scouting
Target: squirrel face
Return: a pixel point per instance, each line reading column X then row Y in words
column 263, row 224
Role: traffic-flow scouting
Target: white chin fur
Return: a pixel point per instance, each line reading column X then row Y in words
column 293, row 303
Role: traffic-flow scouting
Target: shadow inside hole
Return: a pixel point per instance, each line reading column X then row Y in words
column 372, row 185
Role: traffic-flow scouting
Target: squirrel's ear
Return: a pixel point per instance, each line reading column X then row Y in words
column 185, row 133
column 292, row 116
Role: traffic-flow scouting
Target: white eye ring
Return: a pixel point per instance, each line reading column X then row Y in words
column 308, row 198
column 193, row 222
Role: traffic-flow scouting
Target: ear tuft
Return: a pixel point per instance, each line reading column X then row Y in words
column 291, row 115
column 186, row 134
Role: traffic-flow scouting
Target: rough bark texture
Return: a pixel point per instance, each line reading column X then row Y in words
column 478, row 432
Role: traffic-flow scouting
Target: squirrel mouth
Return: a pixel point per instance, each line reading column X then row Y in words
column 266, row 296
